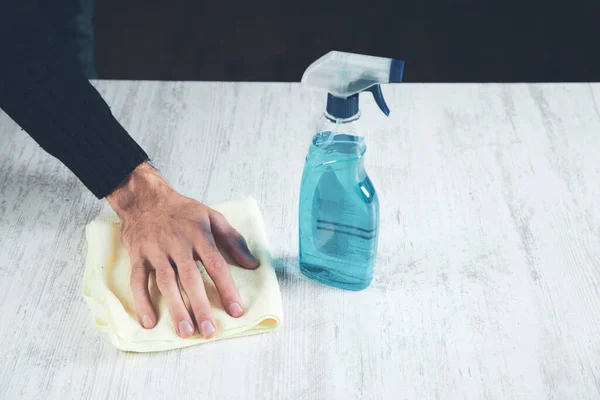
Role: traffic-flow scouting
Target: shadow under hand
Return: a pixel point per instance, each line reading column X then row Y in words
column 286, row 268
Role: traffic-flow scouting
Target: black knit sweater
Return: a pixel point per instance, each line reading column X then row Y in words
column 42, row 90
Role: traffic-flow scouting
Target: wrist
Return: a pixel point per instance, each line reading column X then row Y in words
column 143, row 189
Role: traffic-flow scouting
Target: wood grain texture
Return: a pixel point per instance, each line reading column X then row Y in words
column 488, row 276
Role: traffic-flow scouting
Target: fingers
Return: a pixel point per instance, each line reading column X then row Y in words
column 192, row 283
column 178, row 245
column 167, row 284
column 141, row 296
column 218, row 270
column 232, row 241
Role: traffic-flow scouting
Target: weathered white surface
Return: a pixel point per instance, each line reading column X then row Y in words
column 487, row 284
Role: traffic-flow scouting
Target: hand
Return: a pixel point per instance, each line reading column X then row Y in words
column 166, row 232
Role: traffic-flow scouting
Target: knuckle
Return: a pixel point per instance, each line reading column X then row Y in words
column 164, row 276
column 207, row 245
column 135, row 238
column 218, row 217
column 143, row 251
column 137, row 288
column 180, row 239
column 223, row 224
column 137, row 264
column 204, row 229
column 202, row 313
column 202, row 220
column 213, row 261
column 179, row 257
column 138, row 277
column 189, row 272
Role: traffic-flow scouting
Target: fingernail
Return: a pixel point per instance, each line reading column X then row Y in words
column 235, row 310
column 147, row 321
column 185, row 328
column 207, row 329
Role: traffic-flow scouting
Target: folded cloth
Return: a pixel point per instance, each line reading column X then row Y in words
column 107, row 292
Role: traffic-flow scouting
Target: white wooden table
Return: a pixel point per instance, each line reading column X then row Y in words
column 488, row 276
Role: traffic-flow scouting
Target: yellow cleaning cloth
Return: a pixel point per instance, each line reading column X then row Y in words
column 106, row 287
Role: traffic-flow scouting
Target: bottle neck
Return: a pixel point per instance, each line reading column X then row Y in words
column 347, row 120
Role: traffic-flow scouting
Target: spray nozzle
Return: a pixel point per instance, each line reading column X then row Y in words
column 344, row 75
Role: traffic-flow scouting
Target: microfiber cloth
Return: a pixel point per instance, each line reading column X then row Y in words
column 106, row 287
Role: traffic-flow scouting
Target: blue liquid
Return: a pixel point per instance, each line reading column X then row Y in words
column 339, row 213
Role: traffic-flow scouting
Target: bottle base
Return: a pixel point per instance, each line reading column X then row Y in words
column 326, row 277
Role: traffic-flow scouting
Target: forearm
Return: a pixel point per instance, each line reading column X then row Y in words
column 43, row 91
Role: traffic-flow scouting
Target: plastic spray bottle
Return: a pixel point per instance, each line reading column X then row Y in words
column 339, row 208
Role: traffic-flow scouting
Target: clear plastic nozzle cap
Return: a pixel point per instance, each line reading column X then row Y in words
column 345, row 74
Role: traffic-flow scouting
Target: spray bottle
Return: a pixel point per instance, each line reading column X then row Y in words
column 339, row 208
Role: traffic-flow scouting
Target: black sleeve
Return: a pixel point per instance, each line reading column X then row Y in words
column 43, row 91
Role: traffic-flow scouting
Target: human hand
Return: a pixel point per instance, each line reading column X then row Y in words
column 163, row 230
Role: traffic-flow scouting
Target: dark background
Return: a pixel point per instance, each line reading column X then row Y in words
column 441, row 41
